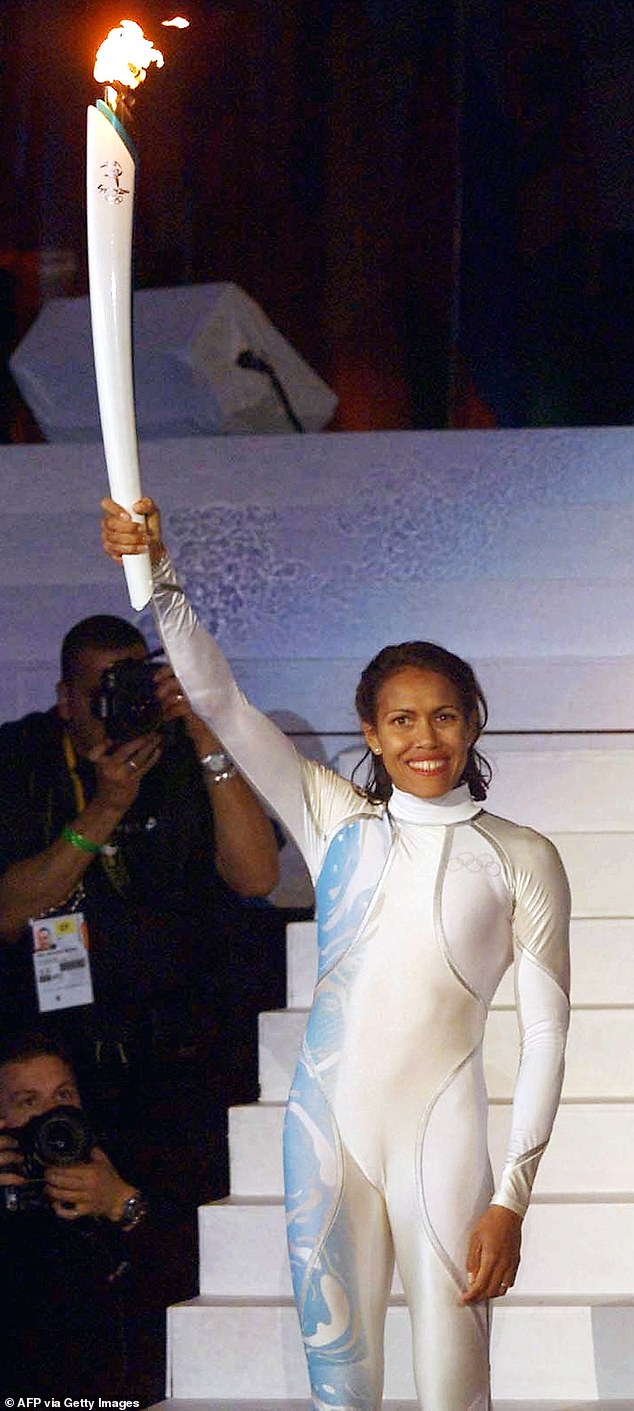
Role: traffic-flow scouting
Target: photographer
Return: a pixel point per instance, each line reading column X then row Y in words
column 81, row 1307
column 131, row 852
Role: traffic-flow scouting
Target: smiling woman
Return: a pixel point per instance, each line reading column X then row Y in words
column 422, row 711
column 423, row 901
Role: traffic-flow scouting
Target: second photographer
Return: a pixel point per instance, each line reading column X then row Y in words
column 74, row 1318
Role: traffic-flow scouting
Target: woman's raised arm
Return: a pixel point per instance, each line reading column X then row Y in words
column 263, row 754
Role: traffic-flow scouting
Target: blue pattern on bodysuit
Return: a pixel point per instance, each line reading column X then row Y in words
column 340, row 907
column 318, row 1238
column 319, row 1244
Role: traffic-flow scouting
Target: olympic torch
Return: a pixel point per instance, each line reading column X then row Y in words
column 111, row 168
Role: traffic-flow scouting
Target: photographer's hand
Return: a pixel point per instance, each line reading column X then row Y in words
column 93, row 1187
column 246, row 847
column 35, row 884
column 175, row 705
column 10, row 1156
column 119, row 771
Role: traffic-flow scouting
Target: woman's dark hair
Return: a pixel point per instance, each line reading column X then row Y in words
column 426, row 656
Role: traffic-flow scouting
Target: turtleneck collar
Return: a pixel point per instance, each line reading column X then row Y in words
column 455, row 807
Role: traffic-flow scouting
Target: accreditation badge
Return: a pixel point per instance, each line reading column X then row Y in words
column 61, row 961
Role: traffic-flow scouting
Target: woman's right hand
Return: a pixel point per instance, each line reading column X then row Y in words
column 121, row 534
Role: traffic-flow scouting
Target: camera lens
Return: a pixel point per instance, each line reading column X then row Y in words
column 126, row 701
column 63, row 1137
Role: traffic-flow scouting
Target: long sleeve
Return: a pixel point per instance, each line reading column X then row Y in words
column 541, row 920
column 264, row 755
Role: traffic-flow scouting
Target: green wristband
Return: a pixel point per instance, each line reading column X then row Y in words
column 77, row 840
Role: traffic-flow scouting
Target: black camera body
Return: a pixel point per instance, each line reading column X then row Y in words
column 126, row 701
column 60, row 1137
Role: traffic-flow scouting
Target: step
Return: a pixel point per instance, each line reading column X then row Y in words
column 590, row 1153
column 602, row 954
column 179, row 1404
column 578, row 1250
column 227, row 1350
column 599, row 1061
column 563, row 790
column 557, row 789
column 600, row 869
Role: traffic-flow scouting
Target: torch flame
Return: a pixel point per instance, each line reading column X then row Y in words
column 177, row 23
column 125, row 56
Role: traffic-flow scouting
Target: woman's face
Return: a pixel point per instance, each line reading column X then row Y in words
column 421, row 732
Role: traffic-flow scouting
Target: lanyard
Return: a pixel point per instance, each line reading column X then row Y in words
column 110, row 858
column 71, row 763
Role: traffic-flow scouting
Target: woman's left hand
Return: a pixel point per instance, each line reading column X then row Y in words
column 493, row 1255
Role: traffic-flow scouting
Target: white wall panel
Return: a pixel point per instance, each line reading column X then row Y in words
column 308, row 553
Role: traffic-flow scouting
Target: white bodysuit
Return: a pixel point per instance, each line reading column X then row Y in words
column 421, row 905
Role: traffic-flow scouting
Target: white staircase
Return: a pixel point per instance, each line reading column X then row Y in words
column 513, row 548
column 564, row 1337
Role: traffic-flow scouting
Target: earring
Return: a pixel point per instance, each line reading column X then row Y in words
column 377, row 752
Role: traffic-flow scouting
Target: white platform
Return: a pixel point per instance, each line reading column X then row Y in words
column 602, row 951
column 540, row 1351
column 606, row 1035
column 591, row 1151
column 227, row 1404
column 515, row 550
column 569, row 1250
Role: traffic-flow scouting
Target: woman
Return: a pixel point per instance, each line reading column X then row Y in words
column 423, row 901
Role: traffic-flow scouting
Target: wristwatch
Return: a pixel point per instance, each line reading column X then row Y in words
column 134, row 1210
column 218, row 765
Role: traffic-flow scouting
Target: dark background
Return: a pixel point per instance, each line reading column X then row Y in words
column 432, row 199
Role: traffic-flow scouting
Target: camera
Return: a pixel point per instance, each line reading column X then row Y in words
column 60, row 1137
column 126, row 701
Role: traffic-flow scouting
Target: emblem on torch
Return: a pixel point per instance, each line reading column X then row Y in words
column 110, row 186
column 122, row 63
